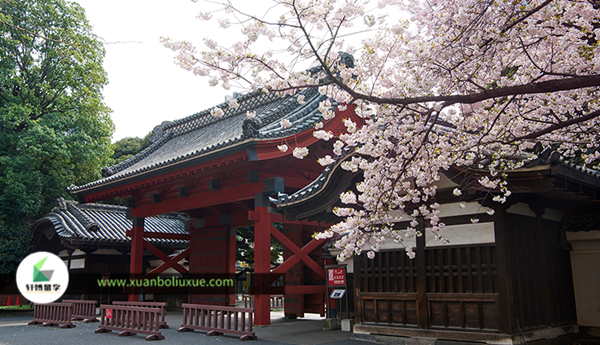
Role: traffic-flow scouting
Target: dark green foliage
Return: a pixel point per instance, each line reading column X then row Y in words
column 129, row 147
column 15, row 244
column 55, row 129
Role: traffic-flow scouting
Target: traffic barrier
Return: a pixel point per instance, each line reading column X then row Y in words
column 130, row 321
column 53, row 314
column 158, row 305
column 83, row 310
column 218, row 320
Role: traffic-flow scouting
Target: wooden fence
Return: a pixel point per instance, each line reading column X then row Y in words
column 276, row 301
column 130, row 321
column 53, row 314
column 83, row 310
column 158, row 305
column 218, row 320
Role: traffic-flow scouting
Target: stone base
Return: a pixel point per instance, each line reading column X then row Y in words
column 564, row 335
column 330, row 324
column 347, row 325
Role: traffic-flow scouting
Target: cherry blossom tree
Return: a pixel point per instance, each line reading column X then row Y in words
column 469, row 83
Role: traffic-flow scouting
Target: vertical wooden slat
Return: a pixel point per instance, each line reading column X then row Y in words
column 459, row 266
column 421, row 284
column 412, row 281
column 469, row 270
column 388, row 274
column 442, row 286
column 395, row 266
column 451, row 271
column 526, row 322
column 380, row 274
column 505, row 292
column 430, row 265
column 488, row 262
column 402, row 258
column 479, row 269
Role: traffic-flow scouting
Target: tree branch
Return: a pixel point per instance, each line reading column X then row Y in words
column 557, row 126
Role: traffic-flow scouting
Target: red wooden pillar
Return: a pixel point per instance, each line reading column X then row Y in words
column 230, row 269
column 136, row 259
column 262, row 264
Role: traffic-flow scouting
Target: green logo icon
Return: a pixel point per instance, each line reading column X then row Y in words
column 39, row 275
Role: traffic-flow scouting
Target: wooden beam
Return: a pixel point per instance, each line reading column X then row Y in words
column 299, row 254
column 161, row 235
column 233, row 193
column 170, row 263
column 164, row 257
column 182, row 192
column 305, row 289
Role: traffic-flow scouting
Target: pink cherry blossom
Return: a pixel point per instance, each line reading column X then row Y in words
column 467, row 83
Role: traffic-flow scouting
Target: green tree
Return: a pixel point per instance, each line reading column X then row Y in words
column 129, row 147
column 55, row 129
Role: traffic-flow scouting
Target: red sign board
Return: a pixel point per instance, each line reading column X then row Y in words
column 337, row 276
column 109, row 313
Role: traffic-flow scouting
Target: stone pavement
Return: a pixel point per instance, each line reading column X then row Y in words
column 14, row 330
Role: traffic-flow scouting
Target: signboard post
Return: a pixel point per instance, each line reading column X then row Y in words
column 336, row 278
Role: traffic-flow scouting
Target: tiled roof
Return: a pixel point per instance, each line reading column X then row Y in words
column 202, row 133
column 108, row 223
column 547, row 157
column 316, row 186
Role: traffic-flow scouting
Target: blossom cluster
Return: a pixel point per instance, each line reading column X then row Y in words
column 468, row 83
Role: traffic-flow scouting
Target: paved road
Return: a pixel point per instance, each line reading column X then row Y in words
column 14, row 330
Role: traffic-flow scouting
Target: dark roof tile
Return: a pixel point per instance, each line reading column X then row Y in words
column 108, row 223
column 202, row 133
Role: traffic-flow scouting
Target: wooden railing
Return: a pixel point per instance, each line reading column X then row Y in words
column 218, row 320
column 53, row 314
column 158, row 305
column 83, row 310
column 130, row 321
column 276, row 301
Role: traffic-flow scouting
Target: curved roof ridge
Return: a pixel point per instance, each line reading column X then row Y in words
column 247, row 102
column 202, row 133
column 108, row 171
column 84, row 220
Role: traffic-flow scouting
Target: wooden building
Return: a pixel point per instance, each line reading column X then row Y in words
column 94, row 242
column 504, row 279
column 221, row 172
